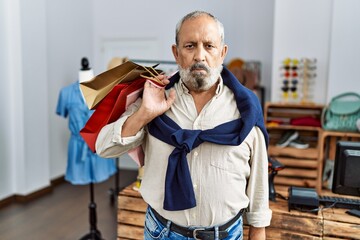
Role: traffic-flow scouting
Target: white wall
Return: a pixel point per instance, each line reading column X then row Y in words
column 10, row 60
column 119, row 19
column 35, row 172
column 251, row 35
column 302, row 29
column 69, row 38
column 41, row 45
column 344, row 48
column 248, row 27
column 326, row 30
column 25, row 149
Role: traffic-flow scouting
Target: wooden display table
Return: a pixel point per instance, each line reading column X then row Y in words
column 328, row 224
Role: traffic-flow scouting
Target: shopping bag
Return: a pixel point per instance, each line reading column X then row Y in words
column 342, row 113
column 111, row 108
column 97, row 88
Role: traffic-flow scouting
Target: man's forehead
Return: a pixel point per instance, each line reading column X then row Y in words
column 205, row 29
column 198, row 20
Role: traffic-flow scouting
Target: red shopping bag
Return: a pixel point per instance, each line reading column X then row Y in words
column 110, row 109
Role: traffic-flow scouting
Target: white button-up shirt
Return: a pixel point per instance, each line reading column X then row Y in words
column 225, row 178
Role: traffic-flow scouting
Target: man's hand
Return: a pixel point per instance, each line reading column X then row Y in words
column 154, row 103
column 257, row 233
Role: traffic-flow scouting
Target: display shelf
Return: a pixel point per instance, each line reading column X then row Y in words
column 309, row 153
column 301, row 165
column 287, row 127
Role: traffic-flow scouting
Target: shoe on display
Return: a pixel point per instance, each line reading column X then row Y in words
column 298, row 143
column 287, row 137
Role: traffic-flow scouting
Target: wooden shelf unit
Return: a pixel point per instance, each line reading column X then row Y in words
column 301, row 165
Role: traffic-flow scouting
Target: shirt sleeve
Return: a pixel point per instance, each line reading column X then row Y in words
column 259, row 214
column 61, row 108
column 109, row 142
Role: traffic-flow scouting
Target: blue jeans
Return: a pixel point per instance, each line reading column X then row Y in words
column 156, row 230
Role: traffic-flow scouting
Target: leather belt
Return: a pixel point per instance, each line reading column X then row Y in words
column 198, row 233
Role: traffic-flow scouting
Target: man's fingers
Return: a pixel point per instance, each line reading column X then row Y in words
column 171, row 98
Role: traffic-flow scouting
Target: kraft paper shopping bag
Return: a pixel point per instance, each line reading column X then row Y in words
column 97, row 88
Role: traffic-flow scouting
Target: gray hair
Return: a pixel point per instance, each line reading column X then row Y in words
column 194, row 15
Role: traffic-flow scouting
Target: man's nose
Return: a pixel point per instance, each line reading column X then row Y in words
column 200, row 54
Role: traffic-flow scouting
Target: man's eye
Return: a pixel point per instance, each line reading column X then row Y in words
column 189, row 46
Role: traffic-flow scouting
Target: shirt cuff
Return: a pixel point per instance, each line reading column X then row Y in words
column 125, row 140
column 259, row 219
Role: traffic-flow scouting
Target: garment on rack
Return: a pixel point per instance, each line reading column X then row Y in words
column 83, row 166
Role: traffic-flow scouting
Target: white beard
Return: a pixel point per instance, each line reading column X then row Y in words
column 199, row 82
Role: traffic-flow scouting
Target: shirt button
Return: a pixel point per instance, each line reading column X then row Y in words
column 196, row 153
column 194, row 186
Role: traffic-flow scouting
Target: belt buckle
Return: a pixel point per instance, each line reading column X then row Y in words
column 196, row 230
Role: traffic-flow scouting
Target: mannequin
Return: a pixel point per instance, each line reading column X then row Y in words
column 83, row 166
column 85, row 73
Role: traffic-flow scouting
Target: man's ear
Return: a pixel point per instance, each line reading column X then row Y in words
column 224, row 52
column 175, row 51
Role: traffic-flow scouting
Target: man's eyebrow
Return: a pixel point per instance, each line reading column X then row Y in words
column 189, row 42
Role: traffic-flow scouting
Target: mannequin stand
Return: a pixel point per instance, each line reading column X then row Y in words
column 94, row 232
column 114, row 192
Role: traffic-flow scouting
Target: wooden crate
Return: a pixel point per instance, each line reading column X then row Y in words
column 327, row 224
column 131, row 214
column 301, row 165
column 327, row 148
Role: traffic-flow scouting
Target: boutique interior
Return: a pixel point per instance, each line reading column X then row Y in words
column 298, row 57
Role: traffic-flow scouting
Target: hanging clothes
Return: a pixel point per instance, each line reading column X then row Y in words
column 83, row 166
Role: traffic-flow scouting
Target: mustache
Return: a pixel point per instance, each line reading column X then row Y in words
column 200, row 66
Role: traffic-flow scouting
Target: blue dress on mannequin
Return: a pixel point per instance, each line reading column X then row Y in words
column 83, row 166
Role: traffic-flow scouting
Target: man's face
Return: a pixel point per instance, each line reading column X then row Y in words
column 199, row 53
